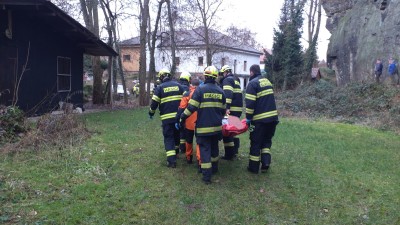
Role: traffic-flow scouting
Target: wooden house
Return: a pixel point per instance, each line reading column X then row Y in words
column 41, row 55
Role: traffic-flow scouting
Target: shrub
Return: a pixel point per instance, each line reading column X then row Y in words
column 12, row 123
column 53, row 132
column 367, row 103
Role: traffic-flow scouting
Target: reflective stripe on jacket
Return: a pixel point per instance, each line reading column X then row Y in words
column 167, row 96
column 233, row 93
column 209, row 102
column 190, row 122
column 260, row 100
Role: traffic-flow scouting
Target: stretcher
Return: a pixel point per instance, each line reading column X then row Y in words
column 232, row 126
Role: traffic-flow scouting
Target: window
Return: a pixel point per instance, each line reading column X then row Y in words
column 222, row 62
column 163, row 59
column 245, row 66
column 177, row 61
column 63, row 74
column 234, row 65
column 126, row 58
column 201, row 59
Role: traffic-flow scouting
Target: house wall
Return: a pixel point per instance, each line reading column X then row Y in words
column 133, row 64
column 189, row 62
column 38, row 48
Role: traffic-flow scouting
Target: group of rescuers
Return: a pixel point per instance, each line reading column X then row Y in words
column 188, row 109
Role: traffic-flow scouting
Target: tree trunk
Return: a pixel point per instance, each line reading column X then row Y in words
column 91, row 19
column 172, row 38
column 152, row 45
column 313, row 33
column 144, row 15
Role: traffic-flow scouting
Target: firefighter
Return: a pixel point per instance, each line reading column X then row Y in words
column 209, row 102
column 189, row 123
column 234, row 106
column 184, row 80
column 262, row 118
column 167, row 96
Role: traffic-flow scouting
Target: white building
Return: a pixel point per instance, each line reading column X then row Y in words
column 191, row 53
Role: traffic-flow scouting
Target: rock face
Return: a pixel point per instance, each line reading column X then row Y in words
column 362, row 31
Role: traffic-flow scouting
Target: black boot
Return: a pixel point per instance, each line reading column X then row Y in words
column 264, row 168
column 237, row 145
column 228, row 154
column 171, row 164
column 206, row 175
column 182, row 147
column 190, row 160
column 254, row 166
column 214, row 167
column 171, row 161
column 265, row 162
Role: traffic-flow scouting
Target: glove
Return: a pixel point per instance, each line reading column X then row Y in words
column 151, row 115
column 248, row 122
column 181, row 123
column 177, row 126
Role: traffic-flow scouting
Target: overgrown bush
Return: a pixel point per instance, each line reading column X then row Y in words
column 53, row 132
column 367, row 103
column 12, row 123
column 87, row 92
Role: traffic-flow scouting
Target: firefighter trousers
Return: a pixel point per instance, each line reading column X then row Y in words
column 189, row 134
column 171, row 141
column 260, row 145
column 209, row 153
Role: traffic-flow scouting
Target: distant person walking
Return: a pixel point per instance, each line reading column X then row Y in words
column 378, row 70
column 392, row 72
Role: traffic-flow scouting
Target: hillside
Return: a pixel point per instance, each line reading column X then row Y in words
column 367, row 103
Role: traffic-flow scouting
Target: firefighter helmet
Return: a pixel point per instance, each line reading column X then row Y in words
column 163, row 73
column 211, row 71
column 225, row 68
column 185, row 76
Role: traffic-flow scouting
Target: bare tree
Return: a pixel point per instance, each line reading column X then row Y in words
column 203, row 14
column 208, row 10
column 68, row 6
column 172, row 37
column 91, row 18
column 143, row 19
column 111, row 22
column 243, row 36
column 314, row 14
column 152, row 44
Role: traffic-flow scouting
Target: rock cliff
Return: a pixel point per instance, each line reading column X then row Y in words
column 362, row 31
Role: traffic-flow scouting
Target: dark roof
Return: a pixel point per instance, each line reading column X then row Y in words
column 195, row 38
column 56, row 19
column 131, row 42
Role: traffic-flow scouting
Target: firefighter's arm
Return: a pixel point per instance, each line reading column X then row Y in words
column 227, row 86
column 155, row 101
column 193, row 104
column 251, row 97
column 182, row 105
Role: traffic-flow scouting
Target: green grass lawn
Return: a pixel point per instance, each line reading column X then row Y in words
column 321, row 173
